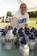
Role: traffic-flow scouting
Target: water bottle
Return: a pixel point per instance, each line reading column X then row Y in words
column 23, row 48
column 31, row 44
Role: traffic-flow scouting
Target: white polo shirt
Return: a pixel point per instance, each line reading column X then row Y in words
column 21, row 20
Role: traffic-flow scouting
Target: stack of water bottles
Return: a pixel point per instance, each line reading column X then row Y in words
column 27, row 41
column 23, row 48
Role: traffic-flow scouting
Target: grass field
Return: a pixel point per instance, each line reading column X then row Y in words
column 31, row 23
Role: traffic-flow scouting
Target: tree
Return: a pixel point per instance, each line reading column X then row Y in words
column 9, row 13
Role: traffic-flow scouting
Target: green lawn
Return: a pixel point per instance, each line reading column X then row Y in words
column 33, row 19
column 32, row 22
